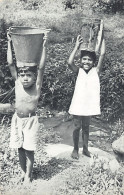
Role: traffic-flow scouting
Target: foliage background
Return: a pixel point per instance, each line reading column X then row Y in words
column 65, row 25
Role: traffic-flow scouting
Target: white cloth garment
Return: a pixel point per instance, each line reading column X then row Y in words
column 24, row 132
column 86, row 97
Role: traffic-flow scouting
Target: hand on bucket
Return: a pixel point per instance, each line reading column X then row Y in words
column 79, row 41
column 8, row 36
column 45, row 38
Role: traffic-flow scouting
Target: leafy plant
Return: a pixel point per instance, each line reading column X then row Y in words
column 95, row 180
column 5, row 77
column 109, row 6
column 58, row 82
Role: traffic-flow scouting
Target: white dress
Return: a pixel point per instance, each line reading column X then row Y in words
column 86, row 97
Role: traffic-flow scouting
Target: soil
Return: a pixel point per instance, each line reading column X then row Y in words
column 100, row 132
column 56, row 127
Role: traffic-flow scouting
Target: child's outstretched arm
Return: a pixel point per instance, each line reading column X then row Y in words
column 10, row 58
column 71, row 64
column 102, row 54
column 42, row 64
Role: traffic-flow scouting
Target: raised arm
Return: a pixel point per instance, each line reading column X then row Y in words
column 42, row 63
column 10, row 58
column 102, row 54
column 71, row 63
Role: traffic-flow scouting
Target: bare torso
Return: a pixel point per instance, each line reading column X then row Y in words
column 26, row 99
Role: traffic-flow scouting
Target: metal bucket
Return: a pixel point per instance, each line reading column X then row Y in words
column 92, row 34
column 28, row 44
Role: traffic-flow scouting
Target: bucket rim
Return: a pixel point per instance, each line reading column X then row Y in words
column 42, row 31
column 91, row 20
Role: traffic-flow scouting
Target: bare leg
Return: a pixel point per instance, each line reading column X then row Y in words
column 76, row 132
column 30, row 162
column 85, row 134
column 22, row 160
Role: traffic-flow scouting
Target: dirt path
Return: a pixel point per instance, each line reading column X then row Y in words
column 54, row 169
column 100, row 132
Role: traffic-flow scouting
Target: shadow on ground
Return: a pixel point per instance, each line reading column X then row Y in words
column 50, row 169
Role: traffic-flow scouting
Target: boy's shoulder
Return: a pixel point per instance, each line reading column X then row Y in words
column 17, row 82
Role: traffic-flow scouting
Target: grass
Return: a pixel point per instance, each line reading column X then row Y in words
column 65, row 176
column 65, row 26
column 51, row 14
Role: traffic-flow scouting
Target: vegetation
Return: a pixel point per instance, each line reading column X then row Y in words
column 94, row 179
column 110, row 6
column 65, row 25
column 65, row 21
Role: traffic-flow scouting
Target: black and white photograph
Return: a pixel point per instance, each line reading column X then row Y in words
column 61, row 97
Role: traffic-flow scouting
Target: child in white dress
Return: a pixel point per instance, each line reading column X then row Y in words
column 25, row 124
column 86, row 98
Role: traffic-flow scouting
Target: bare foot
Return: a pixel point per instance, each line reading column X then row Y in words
column 27, row 180
column 86, row 152
column 75, row 154
column 21, row 179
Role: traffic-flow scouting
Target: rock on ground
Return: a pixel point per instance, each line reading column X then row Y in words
column 64, row 151
column 118, row 145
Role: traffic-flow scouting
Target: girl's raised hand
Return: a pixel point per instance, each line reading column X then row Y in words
column 102, row 51
column 79, row 41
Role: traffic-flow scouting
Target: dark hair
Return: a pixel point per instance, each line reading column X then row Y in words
column 27, row 68
column 92, row 54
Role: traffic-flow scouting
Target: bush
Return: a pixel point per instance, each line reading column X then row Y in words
column 5, row 76
column 110, row 6
column 58, row 83
column 112, row 93
column 112, row 80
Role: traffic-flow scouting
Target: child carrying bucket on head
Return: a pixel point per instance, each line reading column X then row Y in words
column 25, row 125
column 86, row 98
